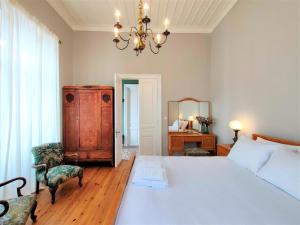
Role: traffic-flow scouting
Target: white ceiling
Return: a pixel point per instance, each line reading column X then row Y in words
column 186, row 16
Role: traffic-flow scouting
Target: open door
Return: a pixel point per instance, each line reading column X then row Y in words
column 149, row 99
column 118, row 120
column 150, row 115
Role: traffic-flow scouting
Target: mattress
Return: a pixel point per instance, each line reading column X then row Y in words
column 207, row 190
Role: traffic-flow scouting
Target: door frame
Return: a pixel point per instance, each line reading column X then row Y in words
column 120, row 76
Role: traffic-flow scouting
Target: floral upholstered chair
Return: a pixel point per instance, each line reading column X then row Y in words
column 50, row 171
column 17, row 210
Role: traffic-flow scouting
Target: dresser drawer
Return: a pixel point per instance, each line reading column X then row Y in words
column 177, row 144
column 208, row 142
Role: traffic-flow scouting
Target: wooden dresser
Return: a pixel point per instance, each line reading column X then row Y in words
column 88, row 123
column 177, row 140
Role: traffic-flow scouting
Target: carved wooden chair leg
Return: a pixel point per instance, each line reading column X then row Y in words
column 80, row 180
column 32, row 213
column 37, row 187
column 53, row 191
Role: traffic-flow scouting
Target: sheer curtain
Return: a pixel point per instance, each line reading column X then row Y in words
column 29, row 92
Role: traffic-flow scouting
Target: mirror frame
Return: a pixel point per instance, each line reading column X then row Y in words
column 195, row 100
column 192, row 99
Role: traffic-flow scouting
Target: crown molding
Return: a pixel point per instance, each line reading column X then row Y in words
column 62, row 12
column 109, row 28
column 225, row 12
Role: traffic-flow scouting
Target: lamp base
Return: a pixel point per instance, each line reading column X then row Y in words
column 236, row 136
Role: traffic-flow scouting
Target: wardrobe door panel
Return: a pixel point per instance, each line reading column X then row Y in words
column 106, row 127
column 70, row 119
column 89, row 119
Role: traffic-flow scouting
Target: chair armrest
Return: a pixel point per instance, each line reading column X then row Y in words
column 18, row 188
column 6, row 207
column 46, row 170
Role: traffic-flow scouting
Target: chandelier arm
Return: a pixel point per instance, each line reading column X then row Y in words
column 133, row 28
column 124, row 39
column 152, row 36
column 130, row 34
column 122, row 47
column 152, row 49
column 166, row 38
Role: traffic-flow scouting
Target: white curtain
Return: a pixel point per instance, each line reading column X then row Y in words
column 29, row 92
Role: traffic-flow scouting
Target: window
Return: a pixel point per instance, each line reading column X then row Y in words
column 29, row 91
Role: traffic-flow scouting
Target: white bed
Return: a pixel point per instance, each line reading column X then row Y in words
column 207, row 190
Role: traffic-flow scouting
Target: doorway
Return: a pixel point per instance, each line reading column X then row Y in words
column 130, row 116
column 148, row 111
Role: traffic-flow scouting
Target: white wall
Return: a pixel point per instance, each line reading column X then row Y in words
column 255, row 69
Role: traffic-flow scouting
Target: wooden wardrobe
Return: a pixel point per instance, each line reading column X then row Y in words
column 88, row 123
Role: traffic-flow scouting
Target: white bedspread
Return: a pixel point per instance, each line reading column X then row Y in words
column 207, row 190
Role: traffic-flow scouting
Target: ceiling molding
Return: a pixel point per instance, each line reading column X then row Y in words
column 187, row 16
column 225, row 12
column 58, row 6
column 126, row 29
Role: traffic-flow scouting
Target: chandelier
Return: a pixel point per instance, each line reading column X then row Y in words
column 140, row 34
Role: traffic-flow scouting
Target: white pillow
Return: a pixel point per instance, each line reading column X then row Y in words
column 175, row 125
column 283, row 171
column 292, row 147
column 251, row 154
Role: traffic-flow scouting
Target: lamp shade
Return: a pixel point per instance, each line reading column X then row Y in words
column 235, row 125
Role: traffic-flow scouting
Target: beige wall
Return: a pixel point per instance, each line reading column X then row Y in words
column 183, row 63
column 48, row 16
column 255, row 69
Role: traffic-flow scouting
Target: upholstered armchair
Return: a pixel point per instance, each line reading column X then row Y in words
column 17, row 210
column 50, row 170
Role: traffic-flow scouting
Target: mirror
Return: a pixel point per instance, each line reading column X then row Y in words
column 182, row 114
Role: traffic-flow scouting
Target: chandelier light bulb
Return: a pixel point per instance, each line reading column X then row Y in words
column 158, row 38
column 136, row 42
column 116, row 31
column 146, row 9
column 117, row 15
column 166, row 23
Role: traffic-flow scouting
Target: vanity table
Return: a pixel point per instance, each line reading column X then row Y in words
column 184, row 130
column 177, row 141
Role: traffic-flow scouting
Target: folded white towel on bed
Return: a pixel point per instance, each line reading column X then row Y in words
column 152, row 179
column 150, row 173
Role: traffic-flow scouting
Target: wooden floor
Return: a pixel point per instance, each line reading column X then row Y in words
column 95, row 202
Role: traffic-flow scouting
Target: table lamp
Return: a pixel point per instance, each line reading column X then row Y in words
column 236, row 126
column 190, row 124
